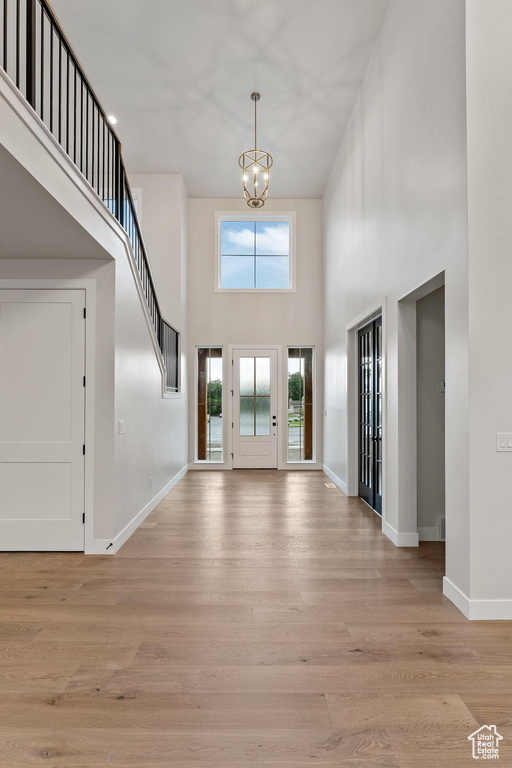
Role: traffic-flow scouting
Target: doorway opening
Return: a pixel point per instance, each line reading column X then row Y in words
column 421, row 415
column 430, row 415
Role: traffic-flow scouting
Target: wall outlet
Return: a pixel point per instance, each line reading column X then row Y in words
column 503, row 441
column 121, row 427
column 442, row 387
column 151, row 481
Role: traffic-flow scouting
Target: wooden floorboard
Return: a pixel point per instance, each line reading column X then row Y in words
column 255, row 619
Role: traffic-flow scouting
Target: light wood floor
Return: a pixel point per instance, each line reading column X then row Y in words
column 255, row 619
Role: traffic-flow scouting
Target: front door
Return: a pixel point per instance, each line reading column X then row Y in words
column 255, row 409
column 42, row 360
column 370, row 414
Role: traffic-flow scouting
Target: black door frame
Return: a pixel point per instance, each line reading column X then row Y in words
column 370, row 409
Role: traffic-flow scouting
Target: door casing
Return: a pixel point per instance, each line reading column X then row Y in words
column 370, row 493
column 379, row 308
column 89, row 285
column 56, row 456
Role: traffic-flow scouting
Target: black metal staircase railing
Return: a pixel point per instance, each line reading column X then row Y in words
column 36, row 55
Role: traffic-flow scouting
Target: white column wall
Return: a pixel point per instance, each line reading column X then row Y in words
column 489, row 101
column 395, row 215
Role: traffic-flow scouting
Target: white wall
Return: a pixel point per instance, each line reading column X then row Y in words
column 163, row 197
column 395, row 215
column 490, row 311
column 155, row 442
column 288, row 319
column 430, row 369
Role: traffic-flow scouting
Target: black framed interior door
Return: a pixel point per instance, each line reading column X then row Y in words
column 370, row 414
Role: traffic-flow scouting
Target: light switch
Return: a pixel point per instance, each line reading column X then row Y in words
column 504, row 441
column 442, row 387
column 121, row 427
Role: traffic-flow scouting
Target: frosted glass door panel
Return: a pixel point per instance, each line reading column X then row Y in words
column 263, row 415
column 247, row 376
column 263, row 376
column 246, row 416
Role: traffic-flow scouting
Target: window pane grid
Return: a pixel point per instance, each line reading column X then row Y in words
column 255, row 255
column 254, row 396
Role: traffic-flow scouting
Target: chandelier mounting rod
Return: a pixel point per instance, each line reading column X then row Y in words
column 255, row 97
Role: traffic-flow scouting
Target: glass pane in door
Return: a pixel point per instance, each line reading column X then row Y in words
column 247, row 375
column 263, row 376
column 263, row 415
column 246, row 416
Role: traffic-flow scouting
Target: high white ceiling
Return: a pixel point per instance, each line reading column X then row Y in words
column 178, row 75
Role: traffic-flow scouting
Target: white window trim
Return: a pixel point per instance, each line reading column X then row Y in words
column 302, row 462
column 282, row 216
column 218, row 463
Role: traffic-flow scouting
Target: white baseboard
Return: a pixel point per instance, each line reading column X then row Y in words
column 477, row 610
column 400, row 539
column 429, row 534
column 107, row 547
column 336, row 480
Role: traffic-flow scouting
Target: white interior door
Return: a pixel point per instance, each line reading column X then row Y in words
column 255, row 409
column 42, row 402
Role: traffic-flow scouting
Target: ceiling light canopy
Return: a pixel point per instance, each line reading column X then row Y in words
column 255, row 165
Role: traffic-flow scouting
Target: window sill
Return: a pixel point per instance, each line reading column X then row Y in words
column 255, row 290
column 172, row 395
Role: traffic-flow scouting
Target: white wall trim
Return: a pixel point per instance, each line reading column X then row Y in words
column 107, row 547
column 428, row 534
column 477, row 610
column 457, row 597
column 401, row 539
column 336, row 480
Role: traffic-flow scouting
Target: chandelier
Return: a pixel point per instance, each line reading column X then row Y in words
column 255, row 165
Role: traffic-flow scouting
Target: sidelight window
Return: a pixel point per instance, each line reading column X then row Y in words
column 209, row 404
column 300, row 404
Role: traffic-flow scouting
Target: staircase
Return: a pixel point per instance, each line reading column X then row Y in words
column 37, row 57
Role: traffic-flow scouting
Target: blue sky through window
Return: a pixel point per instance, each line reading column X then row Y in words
column 255, row 254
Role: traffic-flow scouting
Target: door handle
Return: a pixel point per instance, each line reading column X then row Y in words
column 274, row 423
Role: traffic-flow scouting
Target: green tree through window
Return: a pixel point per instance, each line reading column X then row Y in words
column 215, row 397
column 295, row 386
